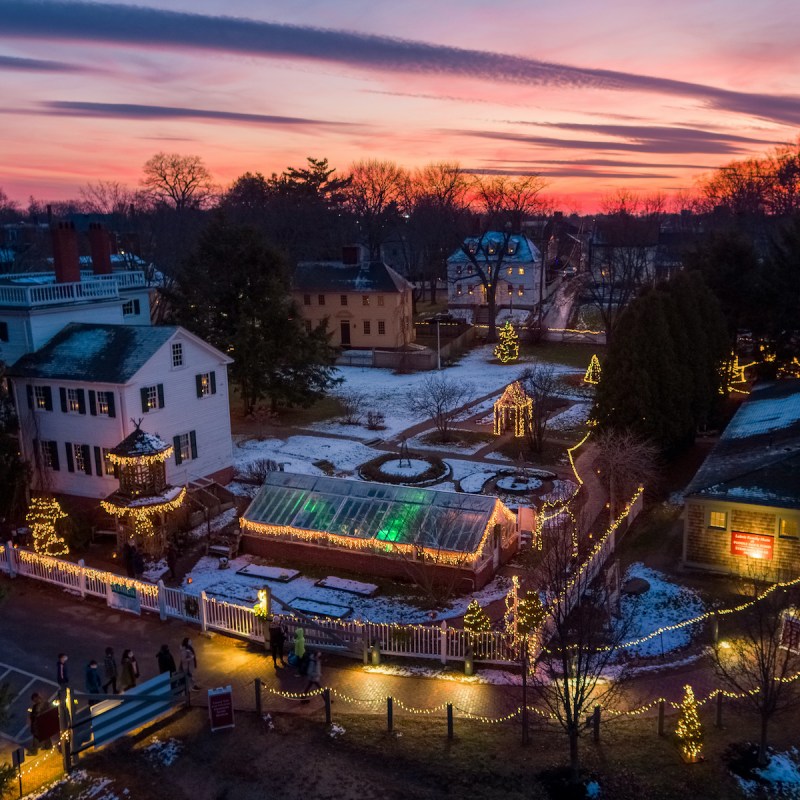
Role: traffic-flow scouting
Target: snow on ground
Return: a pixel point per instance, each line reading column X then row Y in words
column 474, row 482
column 497, row 677
column 780, row 778
column 226, row 584
column 573, row 417
column 388, row 393
column 79, row 785
column 518, row 483
column 467, row 448
column 163, row 754
column 561, row 491
column 298, row 453
column 410, row 468
column 664, row 604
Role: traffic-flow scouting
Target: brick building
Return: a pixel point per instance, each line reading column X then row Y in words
column 742, row 508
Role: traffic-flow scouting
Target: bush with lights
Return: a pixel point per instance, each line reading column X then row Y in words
column 689, row 731
column 507, row 348
column 43, row 515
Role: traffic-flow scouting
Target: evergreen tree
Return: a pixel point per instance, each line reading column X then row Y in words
column 507, row 348
column 14, row 472
column 43, row 516
column 689, row 730
column 234, row 292
column 592, row 371
column 476, row 620
column 530, row 613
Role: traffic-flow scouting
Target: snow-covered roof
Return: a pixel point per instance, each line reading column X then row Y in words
column 333, row 276
column 140, row 443
column 377, row 511
column 519, row 249
column 757, row 459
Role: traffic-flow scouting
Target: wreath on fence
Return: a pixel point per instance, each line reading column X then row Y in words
column 191, row 606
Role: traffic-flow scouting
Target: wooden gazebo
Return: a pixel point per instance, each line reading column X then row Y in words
column 512, row 412
column 144, row 497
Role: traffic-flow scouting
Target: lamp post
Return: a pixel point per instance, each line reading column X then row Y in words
column 438, row 347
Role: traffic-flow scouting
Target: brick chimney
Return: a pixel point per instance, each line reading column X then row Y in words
column 65, row 252
column 100, row 246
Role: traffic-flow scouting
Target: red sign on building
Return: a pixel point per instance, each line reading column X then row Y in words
column 754, row 545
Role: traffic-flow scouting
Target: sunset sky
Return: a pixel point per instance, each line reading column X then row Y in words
column 594, row 96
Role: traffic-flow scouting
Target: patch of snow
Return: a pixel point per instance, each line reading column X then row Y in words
column 155, row 571
column 79, row 786
column 410, row 468
column 561, row 491
column 573, row 417
column 763, row 416
column 474, row 483
column 467, row 448
column 780, row 778
column 495, row 677
column 163, row 754
column 335, row 730
column 343, row 585
column 273, row 573
column 515, row 483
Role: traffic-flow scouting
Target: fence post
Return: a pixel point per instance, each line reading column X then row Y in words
column 12, row 560
column 389, row 713
column 257, row 684
column 109, row 593
column 596, row 724
column 65, row 727
column 203, row 613
column 365, row 647
column 661, row 705
column 443, row 643
column 449, row 720
column 162, row 601
column 718, row 721
column 82, row 577
column 326, row 696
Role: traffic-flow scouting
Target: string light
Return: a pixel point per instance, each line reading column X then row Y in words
column 507, row 349
column 593, row 371
column 42, row 517
column 141, row 460
column 689, row 730
column 516, row 400
column 141, row 515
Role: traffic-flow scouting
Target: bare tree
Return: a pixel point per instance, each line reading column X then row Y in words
column 106, row 197
column 506, row 199
column 352, row 403
column 569, row 675
column 439, row 398
column 754, row 663
column 539, row 382
column 182, row 182
column 625, row 461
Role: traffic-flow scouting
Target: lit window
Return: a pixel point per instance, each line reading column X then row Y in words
column 73, row 400
column 364, row 299
column 184, row 447
column 510, row 270
column 343, row 299
column 510, row 288
column 458, row 289
column 204, row 384
column 42, row 395
column 522, row 270
column 458, row 269
column 380, row 299
column 108, row 464
column 152, row 397
column 177, row 354
column 321, row 299
column 366, row 327
column 520, row 291
column 788, row 528
column 718, row 519
column 78, row 453
column 49, row 453
column 103, row 403
column 471, row 289
column 381, row 327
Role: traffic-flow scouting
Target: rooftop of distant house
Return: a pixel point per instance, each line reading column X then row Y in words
column 757, row 458
column 514, row 248
column 336, row 276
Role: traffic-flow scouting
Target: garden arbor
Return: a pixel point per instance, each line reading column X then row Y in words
column 512, row 412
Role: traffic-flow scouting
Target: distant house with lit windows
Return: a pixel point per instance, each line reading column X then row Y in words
column 367, row 304
column 519, row 281
column 742, row 508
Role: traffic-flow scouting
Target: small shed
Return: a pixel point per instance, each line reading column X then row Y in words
column 512, row 412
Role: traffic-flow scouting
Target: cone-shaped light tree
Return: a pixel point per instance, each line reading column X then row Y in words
column 43, row 514
column 689, row 730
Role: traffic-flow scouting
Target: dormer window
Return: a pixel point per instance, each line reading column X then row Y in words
column 511, row 248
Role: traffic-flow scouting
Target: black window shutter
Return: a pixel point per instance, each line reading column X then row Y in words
column 176, row 446
column 145, row 408
column 68, row 451
column 81, row 401
column 87, row 458
column 3, row 331
column 62, row 393
column 98, row 461
column 198, row 381
column 136, row 307
column 92, row 402
column 111, row 410
column 29, row 392
column 213, row 376
column 193, row 443
column 48, row 398
column 54, row 454
column 37, row 453
column 160, row 390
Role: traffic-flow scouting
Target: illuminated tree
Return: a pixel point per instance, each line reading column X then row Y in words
column 530, row 613
column 43, row 515
column 476, row 620
column 592, row 371
column 689, row 730
column 507, row 348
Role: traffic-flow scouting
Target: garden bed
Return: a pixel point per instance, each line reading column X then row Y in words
column 424, row 470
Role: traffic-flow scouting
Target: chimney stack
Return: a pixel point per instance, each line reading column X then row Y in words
column 100, row 246
column 65, row 253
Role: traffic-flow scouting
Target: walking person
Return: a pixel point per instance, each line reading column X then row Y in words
column 277, row 639
column 92, row 679
column 300, row 651
column 314, row 673
column 166, row 663
column 188, row 661
column 62, row 674
column 129, row 670
column 110, row 671
column 38, row 707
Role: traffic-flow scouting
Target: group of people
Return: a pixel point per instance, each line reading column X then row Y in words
column 188, row 659
column 309, row 665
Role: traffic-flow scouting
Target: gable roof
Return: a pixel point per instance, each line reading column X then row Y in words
column 140, row 443
column 525, row 251
column 757, row 458
column 333, row 276
column 94, row 353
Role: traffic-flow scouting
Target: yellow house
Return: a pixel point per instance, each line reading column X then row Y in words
column 367, row 304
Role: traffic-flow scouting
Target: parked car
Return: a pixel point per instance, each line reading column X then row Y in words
column 569, row 272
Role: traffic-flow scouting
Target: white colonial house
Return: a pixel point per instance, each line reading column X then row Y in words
column 84, row 362
column 82, row 393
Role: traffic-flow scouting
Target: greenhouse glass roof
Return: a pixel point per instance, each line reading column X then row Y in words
column 377, row 511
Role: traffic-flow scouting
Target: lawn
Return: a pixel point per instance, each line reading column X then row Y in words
column 575, row 355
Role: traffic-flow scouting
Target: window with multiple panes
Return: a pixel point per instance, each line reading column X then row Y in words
column 364, row 299
column 177, row 354
column 43, row 398
column 49, row 455
column 321, row 299
column 366, row 327
column 108, row 464
column 306, row 299
column 103, row 403
column 206, row 384
column 343, row 299
column 74, row 400
column 184, row 447
column 130, row 308
column 152, row 397
column 788, row 528
column 718, row 519
column 307, row 323
column 381, row 327
column 79, row 457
